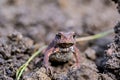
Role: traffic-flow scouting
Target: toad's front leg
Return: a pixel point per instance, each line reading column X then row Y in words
column 47, row 54
column 76, row 53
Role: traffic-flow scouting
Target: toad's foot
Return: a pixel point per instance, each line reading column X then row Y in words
column 49, row 69
column 76, row 66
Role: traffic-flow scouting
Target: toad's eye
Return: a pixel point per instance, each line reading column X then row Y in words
column 74, row 36
column 58, row 36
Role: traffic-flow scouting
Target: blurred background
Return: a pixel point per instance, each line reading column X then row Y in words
column 41, row 19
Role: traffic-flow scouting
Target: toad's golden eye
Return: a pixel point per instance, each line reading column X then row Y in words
column 74, row 35
column 58, row 36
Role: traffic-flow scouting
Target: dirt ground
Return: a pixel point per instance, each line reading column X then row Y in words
column 25, row 25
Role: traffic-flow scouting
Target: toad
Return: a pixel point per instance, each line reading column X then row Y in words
column 62, row 49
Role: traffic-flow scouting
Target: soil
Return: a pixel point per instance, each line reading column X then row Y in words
column 25, row 25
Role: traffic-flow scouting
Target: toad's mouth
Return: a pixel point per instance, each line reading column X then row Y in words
column 65, row 45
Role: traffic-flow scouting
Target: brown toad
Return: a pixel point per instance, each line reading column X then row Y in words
column 61, row 49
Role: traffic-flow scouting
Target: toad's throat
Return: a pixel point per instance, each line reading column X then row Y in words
column 65, row 45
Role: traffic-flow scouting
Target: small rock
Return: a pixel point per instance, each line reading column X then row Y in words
column 90, row 53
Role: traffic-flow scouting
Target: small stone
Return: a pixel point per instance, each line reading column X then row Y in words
column 90, row 53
